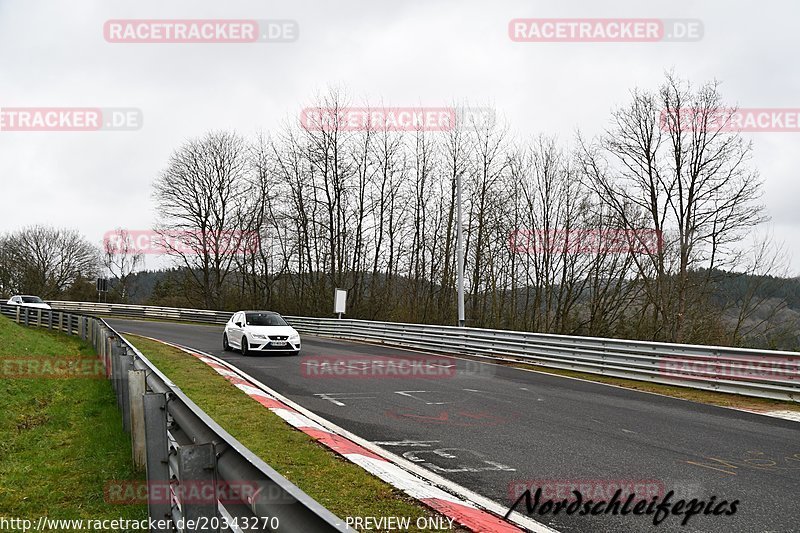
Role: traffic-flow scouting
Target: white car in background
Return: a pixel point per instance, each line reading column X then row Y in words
column 28, row 301
column 260, row 332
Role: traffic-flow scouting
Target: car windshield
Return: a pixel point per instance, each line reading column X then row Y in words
column 265, row 319
column 32, row 300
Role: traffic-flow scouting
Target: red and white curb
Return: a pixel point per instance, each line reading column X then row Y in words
column 468, row 509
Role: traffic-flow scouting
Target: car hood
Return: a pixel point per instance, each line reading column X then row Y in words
column 272, row 330
column 37, row 306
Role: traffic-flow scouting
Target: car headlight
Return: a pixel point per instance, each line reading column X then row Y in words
column 258, row 336
column 294, row 337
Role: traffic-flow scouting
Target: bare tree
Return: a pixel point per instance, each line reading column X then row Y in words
column 485, row 173
column 667, row 165
column 201, row 198
column 8, row 274
column 46, row 261
column 754, row 301
column 121, row 258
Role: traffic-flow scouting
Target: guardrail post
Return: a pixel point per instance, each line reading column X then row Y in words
column 50, row 319
column 197, row 466
column 115, row 373
column 61, row 321
column 123, row 366
column 107, row 351
column 98, row 344
column 136, row 389
column 18, row 310
column 25, row 314
column 38, row 318
column 155, row 429
column 101, row 348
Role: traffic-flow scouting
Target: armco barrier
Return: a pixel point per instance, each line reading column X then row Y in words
column 761, row 373
column 182, row 448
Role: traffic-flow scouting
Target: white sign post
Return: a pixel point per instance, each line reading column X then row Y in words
column 339, row 300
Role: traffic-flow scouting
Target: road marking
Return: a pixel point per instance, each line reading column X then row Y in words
column 715, row 466
column 448, row 453
column 628, row 431
column 441, row 417
column 410, row 394
column 488, row 394
column 408, row 443
column 326, row 397
column 458, row 418
column 334, row 397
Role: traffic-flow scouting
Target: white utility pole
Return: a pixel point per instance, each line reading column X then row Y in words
column 460, row 253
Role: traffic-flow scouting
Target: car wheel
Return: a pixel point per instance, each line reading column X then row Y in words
column 225, row 345
column 245, row 347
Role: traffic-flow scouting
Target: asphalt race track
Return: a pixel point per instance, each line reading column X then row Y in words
column 495, row 429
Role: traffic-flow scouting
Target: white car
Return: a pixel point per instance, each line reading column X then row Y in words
column 28, row 301
column 260, row 332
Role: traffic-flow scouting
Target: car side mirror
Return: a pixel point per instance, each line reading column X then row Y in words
column 238, row 324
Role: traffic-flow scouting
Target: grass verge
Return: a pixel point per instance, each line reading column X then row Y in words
column 339, row 485
column 62, row 439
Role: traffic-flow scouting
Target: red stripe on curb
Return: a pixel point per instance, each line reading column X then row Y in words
column 269, row 403
column 339, row 444
column 475, row 519
column 236, row 380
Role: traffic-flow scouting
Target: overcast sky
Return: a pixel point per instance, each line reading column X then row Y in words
column 400, row 53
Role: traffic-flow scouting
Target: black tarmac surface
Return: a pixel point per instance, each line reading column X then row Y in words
column 497, row 430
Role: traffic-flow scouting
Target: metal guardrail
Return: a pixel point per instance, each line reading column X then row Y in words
column 187, row 455
column 761, row 373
